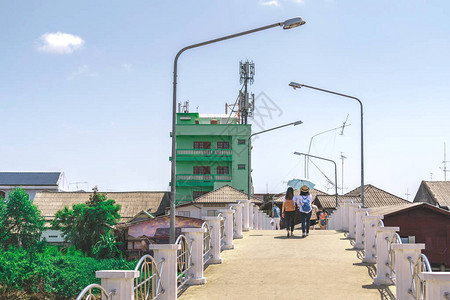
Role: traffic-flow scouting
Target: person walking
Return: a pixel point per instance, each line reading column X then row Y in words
column 288, row 211
column 323, row 219
column 304, row 203
column 276, row 216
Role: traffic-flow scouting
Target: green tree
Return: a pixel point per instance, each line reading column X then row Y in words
column 21, row 223
column 85, row 223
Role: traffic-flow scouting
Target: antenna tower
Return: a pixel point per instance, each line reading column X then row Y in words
column 445, row 161
column 342, row 157
column 246, row 102
column 183, row 107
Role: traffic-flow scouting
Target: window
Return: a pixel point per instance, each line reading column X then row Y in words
column 211, row 213
column 2, row 194
column 241, row 142
column 184, row 213
column 223, row 145
column 223, row 170
column 202, row 170
column 196, row 194
column 202, row 145
column 241, row 167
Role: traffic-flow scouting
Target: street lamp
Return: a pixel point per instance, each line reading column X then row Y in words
column 296, row 85
column 249, row 150
column 288, row 24
column 335, row 171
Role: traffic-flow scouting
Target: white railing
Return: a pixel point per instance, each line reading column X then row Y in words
column 148, row 285
column 222, row 230
column 183, row 260
column 391, row 254
column 88, row 294
column 422, row 264
column 206, row 243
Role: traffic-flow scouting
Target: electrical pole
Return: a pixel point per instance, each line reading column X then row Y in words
column 444, row 169
column 342, row 176
column 246, row 102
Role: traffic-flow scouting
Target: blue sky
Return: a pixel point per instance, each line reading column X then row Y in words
column 85, row 87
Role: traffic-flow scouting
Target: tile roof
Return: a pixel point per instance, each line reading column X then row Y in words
column 439, row 191
column 376, row 197
column 392, row 209
column 29, row 178
column 313, row 192
column 131, row 203
column 329, row 201
column 225, row 194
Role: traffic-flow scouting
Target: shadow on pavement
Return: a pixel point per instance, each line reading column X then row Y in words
column 385, row 292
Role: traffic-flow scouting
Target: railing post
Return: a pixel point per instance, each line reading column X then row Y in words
column 121, row 281
column 168, row 254
column 238, row 219
column 345, row 214
column 214, row 224
column 195, row 235
column 352, row 220
column 359, row 236
column 250, row 215
column 384, row 273
column 267, row 222
column 437, row 285
column 403, row 276
column 228, row 222
column 260, row 220
column 245, row 215
column 255, row 217
column 370, row 224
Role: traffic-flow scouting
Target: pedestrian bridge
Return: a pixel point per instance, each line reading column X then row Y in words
column 265, row 264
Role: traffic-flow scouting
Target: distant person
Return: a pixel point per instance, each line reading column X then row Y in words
column 314, row 215
column 288, row 211
column 304, row 203
column 276, row 216
column 323, row 219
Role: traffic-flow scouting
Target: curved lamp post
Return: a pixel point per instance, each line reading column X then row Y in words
column 249, row 150
column 296, row 85
column 288, row 24
column 335, row 171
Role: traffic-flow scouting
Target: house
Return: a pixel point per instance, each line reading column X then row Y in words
column 209, row 204
column 32, row 182
column 436, row 193
column 421, row 223
column 141, row 205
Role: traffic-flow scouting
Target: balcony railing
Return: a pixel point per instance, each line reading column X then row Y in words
column 204, row 154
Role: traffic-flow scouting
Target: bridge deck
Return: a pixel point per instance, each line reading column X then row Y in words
column 267, row 265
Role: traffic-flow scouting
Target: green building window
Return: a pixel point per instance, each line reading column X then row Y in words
column 202, row 170
column 241, row 167
column 202, row 145
column 241, row 142
column 223, row 145
column 223, row 170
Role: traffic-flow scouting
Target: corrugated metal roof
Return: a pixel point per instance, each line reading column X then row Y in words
column 439, row 191
column 131, row 203
column 29, row 178
column 225, row 194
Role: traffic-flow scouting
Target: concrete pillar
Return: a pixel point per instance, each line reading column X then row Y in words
column 402, row 269
column 255, row 217
column 260, row 220
column 345, row 215
column 228, row 234
column 168, row 254
column 250, row 215
column 370, row 223
column 267, row 222
column 214, row 225
column 245, row 215
column 238, row 220
column 352, row 220
column 437, row 285
column 122, row 281
column 384, row 273
column 339, row 218
column 195, row 237
column 359, row 234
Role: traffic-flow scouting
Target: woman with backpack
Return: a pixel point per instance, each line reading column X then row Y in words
column 288, row 211
column 304, row 203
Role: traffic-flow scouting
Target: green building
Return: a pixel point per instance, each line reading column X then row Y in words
column 211, row 153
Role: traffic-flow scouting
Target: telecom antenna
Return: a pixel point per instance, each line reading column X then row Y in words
column 184, row 107
column 431, row 176
column 444, row 169
column 343, row 126
column 407, row 194
column 246, row 101
column 342, row 176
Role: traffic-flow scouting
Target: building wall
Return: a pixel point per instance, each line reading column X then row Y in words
column 31, row 190
column 428, row 227
column 201, row 210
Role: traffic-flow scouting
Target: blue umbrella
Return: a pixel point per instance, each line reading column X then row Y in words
column 298, row 183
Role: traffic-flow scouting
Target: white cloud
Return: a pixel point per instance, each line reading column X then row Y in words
column 59, row 43
column 270, row 3
column 83, row 70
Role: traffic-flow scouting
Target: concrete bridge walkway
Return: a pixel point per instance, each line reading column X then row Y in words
column 267, row 265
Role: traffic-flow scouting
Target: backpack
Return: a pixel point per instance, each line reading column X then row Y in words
column 306, row 206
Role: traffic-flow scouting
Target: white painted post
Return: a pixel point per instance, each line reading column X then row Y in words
column 402, row 268
column 267, row 222
column 255, row 217
column 245, row 215
column 122, row 281
column 437, row 285
column 168, row 253
column 345, row 214
column 359, row 234
column 260, row 220
column 250, row 215
column 384, row 273
column 352, row 220
column 214, row 224
column 238, row 219
column 195, row 236
column 338, row 220
column 370, row 223
column 228, row 222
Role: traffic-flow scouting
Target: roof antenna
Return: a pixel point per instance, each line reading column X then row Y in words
column 343, row 125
